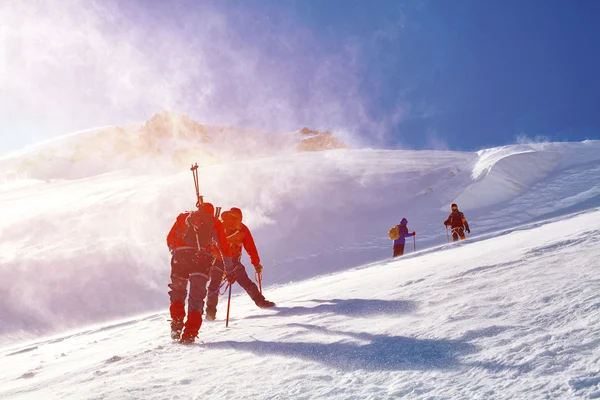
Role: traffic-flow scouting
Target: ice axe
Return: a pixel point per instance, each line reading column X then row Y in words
column 258, row 279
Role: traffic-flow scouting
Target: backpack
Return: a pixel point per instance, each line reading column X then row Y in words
column 456, row 218
column 394, row 233
column 199, row 229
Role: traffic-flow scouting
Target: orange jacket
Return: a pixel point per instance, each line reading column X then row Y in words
column 236, row 240
column 175, row 236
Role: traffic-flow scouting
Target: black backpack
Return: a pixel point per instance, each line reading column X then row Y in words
column 456, row 218
column 199, row 229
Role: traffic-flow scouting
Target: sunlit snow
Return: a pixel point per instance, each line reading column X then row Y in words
column 510, row 313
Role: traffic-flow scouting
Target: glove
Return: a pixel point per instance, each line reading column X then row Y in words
column 258, row 268
column 414, row 233
column 445, row 223
column 468, row 230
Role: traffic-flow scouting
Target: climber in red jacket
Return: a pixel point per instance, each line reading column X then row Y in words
column 190, row 242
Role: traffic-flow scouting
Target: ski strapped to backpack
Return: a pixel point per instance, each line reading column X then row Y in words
column 199, row 224
column 200, row 199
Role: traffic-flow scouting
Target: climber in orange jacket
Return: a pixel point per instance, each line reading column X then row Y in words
column 190, row 242
column 238, row 236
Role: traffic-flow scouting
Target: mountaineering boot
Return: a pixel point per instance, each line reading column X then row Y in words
column 187, row 339
column 211, row 313
column 191, row 328
column 177, row 311
column 176, row 328
column 265, row 304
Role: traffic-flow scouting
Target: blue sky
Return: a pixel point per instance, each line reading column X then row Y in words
column 462, row 75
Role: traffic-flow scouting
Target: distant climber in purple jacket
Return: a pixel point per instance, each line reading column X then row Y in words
column 403, row 233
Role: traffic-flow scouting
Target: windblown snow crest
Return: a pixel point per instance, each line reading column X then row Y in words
column 503, row 173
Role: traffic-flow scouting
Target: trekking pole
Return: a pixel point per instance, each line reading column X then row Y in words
column 228, row 304
column 414, row 243
column 447, row 236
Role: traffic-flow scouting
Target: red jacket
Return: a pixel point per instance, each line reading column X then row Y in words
column 236, row 240
column 175, row 236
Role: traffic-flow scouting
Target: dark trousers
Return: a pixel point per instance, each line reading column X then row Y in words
column 458, row 232
column 216, row 278
column 189, row 266
column 241, row 277
column 398, row 250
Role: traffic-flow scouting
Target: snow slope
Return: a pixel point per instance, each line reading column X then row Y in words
column 510, row 317
column 501, row 174
column 82, row 238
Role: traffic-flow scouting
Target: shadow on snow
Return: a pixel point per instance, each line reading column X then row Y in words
column 346, row 307
column 378, row 353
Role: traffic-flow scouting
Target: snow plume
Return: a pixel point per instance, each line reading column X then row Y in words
column 525, row 139
column 73, row 64
column 74, row 251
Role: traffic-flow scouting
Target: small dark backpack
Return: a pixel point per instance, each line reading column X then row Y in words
column 456, row 218
column 199, row 229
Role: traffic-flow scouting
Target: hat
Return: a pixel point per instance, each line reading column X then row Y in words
column 236, row 210
column 454, row 206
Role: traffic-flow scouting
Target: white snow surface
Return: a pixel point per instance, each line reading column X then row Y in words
column 510, row 313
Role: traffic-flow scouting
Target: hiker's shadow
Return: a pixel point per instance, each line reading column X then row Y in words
column 361, row 351
column 346, row 307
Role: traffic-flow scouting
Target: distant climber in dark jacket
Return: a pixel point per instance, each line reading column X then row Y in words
column 457, row 221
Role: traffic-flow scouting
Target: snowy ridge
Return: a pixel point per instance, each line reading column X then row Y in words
column 311, row 214
column 167, row 142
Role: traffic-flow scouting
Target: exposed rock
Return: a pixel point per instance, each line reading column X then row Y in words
column 306, row 131
column 145, row 141
column 320, row 141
